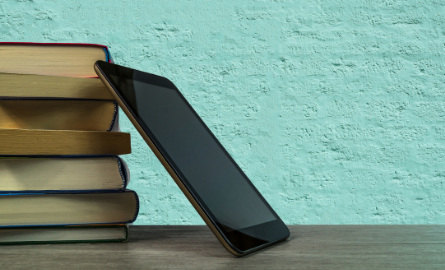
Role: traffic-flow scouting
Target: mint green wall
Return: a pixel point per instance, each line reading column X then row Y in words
column 335, row 109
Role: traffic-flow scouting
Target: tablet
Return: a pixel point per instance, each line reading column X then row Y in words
column 221, row 193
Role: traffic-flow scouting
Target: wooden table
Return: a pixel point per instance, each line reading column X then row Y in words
column 194, row 247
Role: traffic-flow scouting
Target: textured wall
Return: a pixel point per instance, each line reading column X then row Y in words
column 335, row 109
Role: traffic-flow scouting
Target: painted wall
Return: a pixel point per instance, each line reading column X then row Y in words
column 335, row 109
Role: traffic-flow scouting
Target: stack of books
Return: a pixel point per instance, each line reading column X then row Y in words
column 61, row 179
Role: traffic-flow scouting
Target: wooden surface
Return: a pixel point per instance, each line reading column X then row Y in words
column 194, row 247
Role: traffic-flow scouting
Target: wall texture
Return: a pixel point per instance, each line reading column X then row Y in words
column 335, row 109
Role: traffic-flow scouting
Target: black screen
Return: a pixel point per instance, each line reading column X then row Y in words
column 205, row 168
column 196, row 154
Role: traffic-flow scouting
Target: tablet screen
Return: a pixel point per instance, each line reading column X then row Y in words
column 203, row 165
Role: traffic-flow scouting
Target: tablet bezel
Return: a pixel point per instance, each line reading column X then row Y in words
column 236, row 242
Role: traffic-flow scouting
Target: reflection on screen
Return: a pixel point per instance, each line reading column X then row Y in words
column 195, row 153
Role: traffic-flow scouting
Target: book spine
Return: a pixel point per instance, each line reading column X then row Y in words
column 127, row 232
column 124, row 171
column 108, row 57
column 114, row 125
column 137, row 206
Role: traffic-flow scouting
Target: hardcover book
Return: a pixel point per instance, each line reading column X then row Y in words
column 42, row 86
column 39, row 209
column 58, row 174
column 63, row 234
column 60, row 178
column 65, row 114
column 30, row 142
column 58, row 59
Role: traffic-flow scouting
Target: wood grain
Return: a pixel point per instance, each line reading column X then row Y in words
column 195, row 247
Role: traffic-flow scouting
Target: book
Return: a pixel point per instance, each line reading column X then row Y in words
column 59, row 59
column 87, row 115
column 31, row 142
column 61, row 180
column 43, row 86
column 63, row 234
column 57, row 174
column 43, row 209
